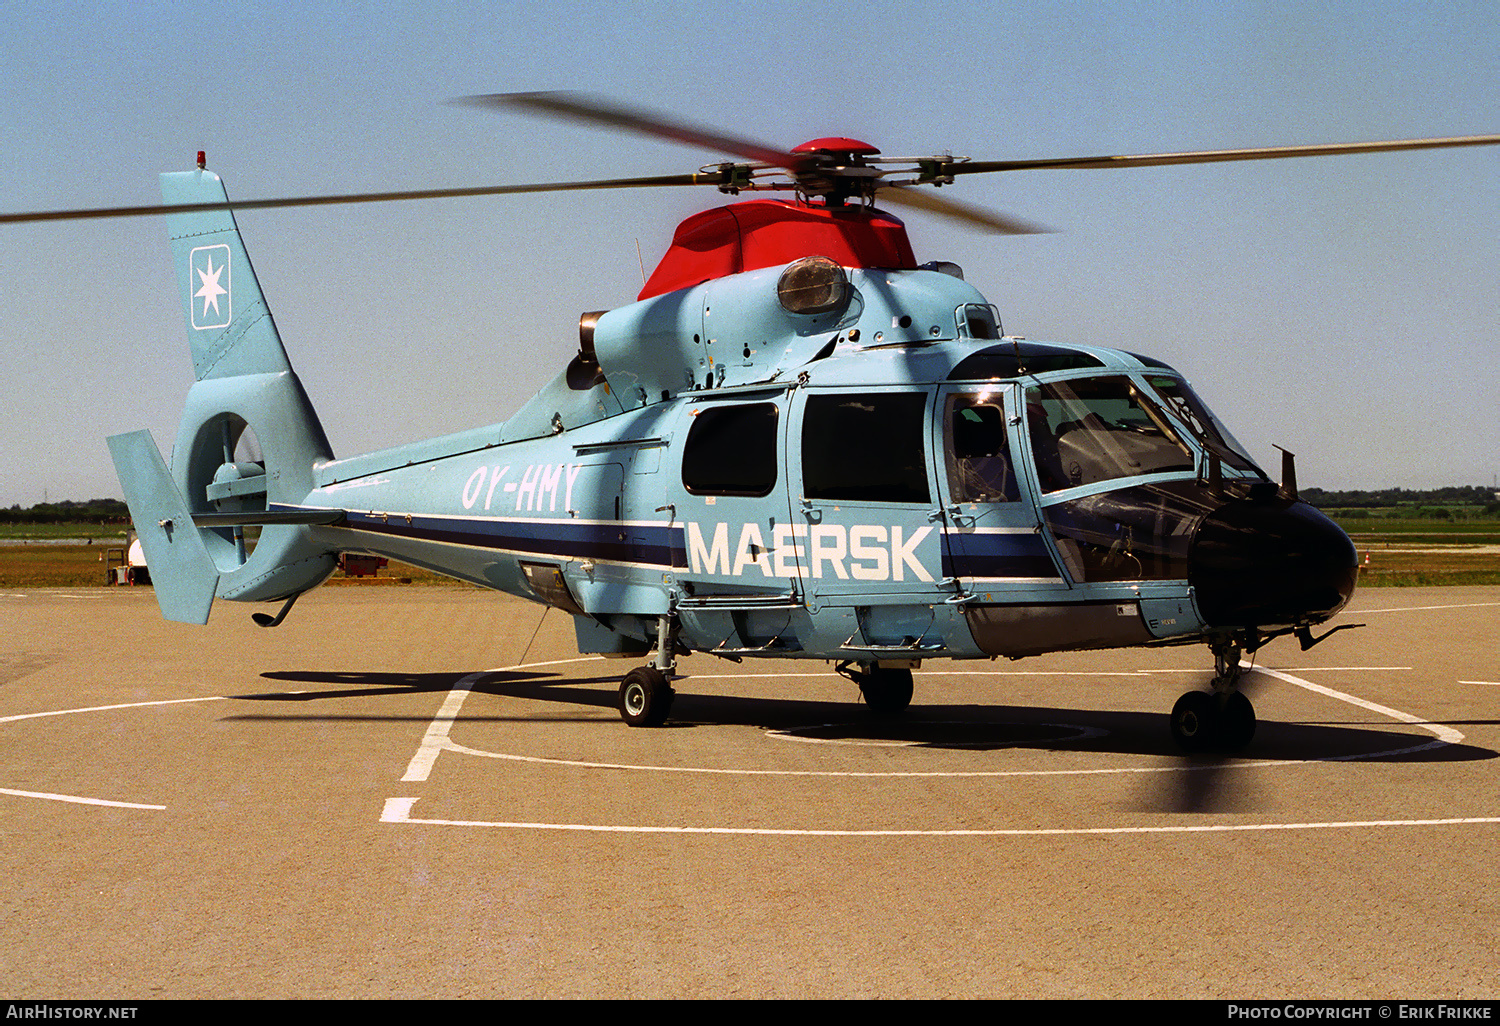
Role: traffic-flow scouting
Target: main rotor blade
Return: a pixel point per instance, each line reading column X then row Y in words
column 1217, row 156
column 595, row 111
column 711, row 178
column 976, row 217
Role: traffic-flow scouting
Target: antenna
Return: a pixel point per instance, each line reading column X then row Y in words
column 641, row 261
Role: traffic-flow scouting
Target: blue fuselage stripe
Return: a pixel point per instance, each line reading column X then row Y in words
column 649, row 544
column 987, row 555
column 997, row 556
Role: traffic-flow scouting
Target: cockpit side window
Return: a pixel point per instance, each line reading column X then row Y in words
column 1089, row 430
column 979, row 466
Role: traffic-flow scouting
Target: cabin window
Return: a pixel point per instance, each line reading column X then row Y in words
column 979, row 467
column 731, row 450
column 866, row 447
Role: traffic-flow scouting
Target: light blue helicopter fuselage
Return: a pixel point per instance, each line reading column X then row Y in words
column 874, row 476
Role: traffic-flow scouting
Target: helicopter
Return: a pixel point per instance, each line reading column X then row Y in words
column 798, row 442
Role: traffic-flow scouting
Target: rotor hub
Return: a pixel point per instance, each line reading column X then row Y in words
column 837, row 146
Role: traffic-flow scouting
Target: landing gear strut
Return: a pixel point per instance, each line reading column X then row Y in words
column 1223, row 720
column 646, row 692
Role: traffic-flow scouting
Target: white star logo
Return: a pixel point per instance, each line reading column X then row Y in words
column 213, row 268
column 210, row 292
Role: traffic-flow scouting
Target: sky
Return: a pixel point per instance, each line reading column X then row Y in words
column 1344, row 308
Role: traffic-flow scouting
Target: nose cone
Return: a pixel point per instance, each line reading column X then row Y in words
column 1270, row 565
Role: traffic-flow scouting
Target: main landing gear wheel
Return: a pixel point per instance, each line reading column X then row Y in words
column 645, row 697
column 887, row 691
column 1203, row 722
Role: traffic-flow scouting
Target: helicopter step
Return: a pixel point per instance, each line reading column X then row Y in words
column 907, row 648
column 777, row 645
column 739, row 602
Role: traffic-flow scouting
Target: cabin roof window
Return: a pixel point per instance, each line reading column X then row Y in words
column 1012, row 359
column 1185, row 405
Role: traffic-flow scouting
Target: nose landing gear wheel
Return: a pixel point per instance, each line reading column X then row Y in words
column 1202, row 722
column 1193, row 721
column 645, row 697
column 1236, row 722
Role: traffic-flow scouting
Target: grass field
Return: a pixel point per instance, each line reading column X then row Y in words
column 33, row 558
column 1392, row 552
column 101, row 533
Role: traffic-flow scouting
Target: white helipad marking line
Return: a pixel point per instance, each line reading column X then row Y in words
column 398, row 810
column 107, row 708
column 1422, row 609
column 436, row 740
column 1345, row 669
column 642, row 768
column 1486, row 683
column 955, row 673
column 1444, row 733
column 1082, row 734
column 1023, row 673
column 76, row 799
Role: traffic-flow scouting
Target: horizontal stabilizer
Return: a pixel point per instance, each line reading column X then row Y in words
column 182, row 571
column 270, row 517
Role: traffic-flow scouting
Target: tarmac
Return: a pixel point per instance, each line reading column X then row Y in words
column 409, row 792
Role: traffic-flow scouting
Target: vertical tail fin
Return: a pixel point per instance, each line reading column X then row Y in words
column 230, row 330
column 245, row 383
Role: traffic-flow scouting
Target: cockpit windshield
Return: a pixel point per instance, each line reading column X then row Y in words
column 1190, row 410
column 1088, row 430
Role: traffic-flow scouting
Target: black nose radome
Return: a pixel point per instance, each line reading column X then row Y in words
column 1270, row 565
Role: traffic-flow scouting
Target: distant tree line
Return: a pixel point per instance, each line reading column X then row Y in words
column 1457, row 495
column 1424, row 503
column 68, row 511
